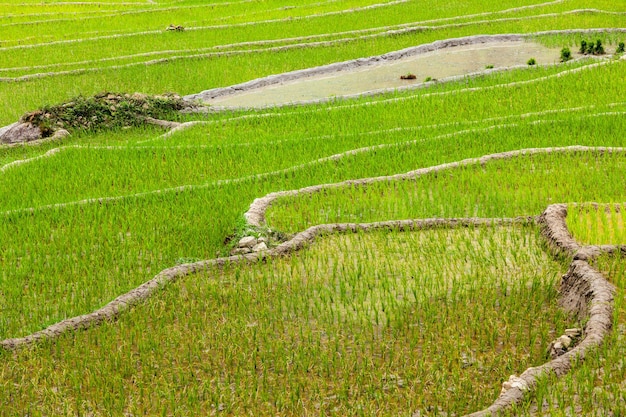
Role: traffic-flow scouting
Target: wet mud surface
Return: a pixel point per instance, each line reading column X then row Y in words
column 440, row 64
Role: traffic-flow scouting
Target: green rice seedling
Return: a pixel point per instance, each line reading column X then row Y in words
column 459, row 193
column 363, row 324
column 603, row 225
column 583, row 47
column 356, row 322
column 90, row 74
column 595, row 385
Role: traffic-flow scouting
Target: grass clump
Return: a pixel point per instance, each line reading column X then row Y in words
column 566, row 54
column 591, row 48
column 105, row 110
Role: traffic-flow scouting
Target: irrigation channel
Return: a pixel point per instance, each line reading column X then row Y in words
column 584, row 291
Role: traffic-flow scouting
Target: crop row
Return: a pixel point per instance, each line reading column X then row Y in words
column 76, row 243
column 218, row 57
column 357, row 324
column 126, row 242
column 244, row 147
column 154, row 18
column 596, row 385
column 378, row 323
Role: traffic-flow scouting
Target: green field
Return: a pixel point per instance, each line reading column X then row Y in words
column 384, row 322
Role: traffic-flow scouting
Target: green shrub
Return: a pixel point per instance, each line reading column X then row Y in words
column 598, row 49
column 620, row 48
column 531, row 61
column 105, row 111
column 566, row 54
column 593, row 48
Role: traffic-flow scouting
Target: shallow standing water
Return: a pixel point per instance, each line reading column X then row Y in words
column 439, row 64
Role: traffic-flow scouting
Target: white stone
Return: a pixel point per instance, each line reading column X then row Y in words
column 573, row 332
column 514, row 382
column 61, row 133
column 565, row 341
column 247, row 242
column 260, row 247
column 240, row 251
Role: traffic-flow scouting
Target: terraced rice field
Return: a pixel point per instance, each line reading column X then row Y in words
column 408, row 271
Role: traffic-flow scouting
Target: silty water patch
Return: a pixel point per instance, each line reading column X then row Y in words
column 384, row 74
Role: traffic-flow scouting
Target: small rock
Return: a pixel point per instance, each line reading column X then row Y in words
column 565, row 341
column 60, row 133
column 467, row 360
column 259, row 247
column 19, row 133
column 139, row 96
column 556, row 349
column 262, row 239
column 575, row 332
column 240, row 251
column 247, row 242
column 514, row 382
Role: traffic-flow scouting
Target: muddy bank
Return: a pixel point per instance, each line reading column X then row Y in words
column 438, row 60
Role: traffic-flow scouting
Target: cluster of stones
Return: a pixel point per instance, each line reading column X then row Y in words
column 102, row 110
column 564, row 342
column 249, row 244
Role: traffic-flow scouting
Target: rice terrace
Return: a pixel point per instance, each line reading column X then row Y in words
column 312, row 208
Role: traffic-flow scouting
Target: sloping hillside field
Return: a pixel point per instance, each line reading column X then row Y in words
column 294, row 208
